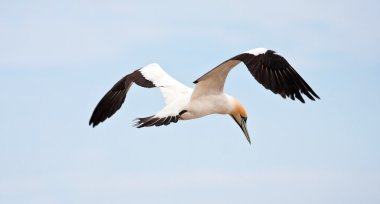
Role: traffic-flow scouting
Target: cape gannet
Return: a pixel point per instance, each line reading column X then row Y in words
column 183, row 103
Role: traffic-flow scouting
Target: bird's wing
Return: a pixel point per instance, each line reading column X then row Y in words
column 149, row 76
column 170, row 88
column 268, row 67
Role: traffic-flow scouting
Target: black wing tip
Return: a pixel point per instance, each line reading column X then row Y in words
column 316, row 96
column 275, row 73
column 112, row 101
column 302, row 100
column 93, row 123
column 114, row 98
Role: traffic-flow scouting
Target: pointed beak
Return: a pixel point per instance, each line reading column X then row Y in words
column 242, row 125
column 244, row 128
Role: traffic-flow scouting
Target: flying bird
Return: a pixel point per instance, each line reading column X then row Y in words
column 183, row 103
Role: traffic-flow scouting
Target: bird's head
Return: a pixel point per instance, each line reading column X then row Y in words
column 239, row 114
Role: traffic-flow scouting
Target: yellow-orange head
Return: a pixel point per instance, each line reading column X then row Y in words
column 238, row 111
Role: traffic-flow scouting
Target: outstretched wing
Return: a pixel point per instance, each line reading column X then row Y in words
column 170, row 88
column 149, row 76
column 268, row 67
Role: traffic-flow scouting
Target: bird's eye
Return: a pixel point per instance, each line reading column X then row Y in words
column 244, row 118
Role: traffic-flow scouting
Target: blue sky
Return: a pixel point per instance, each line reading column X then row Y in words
column 58, row 58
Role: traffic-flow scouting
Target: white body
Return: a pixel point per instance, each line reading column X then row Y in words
column 179, row 97
column 199, row 107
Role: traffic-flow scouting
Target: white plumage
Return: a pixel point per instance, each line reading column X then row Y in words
column 183, row 103
column 169, row 87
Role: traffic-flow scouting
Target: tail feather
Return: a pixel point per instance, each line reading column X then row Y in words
column 155, row 121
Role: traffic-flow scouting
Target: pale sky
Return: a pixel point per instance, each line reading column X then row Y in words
column 58, row 58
